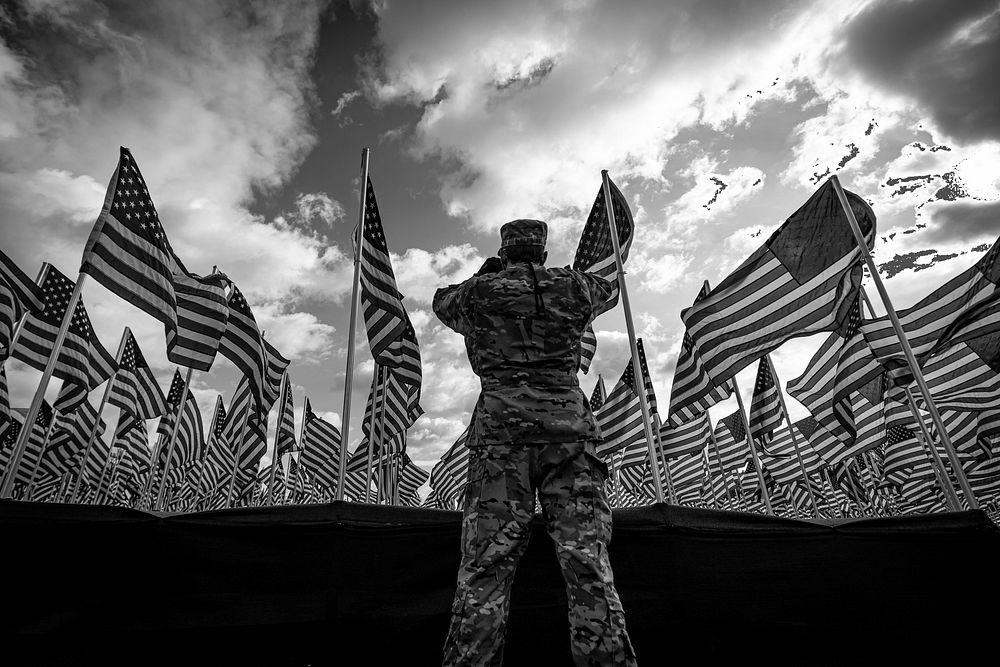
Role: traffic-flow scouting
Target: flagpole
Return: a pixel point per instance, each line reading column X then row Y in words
column 154, row 458
column 765, row 496
column 172, row 443
column 795, row 441
column 671, row 496
column 239, row 452
column 111, row 479
column 904, row 343
column 379, row 382
column 36, row 402
column 100, row 411
column 718, row 461
column 302, row 440
column 275, row 459
column 355, row 288
column 939, row 470
column 641, row 390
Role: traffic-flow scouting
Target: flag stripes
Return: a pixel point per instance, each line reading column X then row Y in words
column 620, row 418
column 135, row 389
column 381, row 303
column 320, row 448
column 242, row 344
column 450, row 474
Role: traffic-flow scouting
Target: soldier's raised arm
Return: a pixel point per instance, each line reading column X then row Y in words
column 601, row 292
column 451, row 303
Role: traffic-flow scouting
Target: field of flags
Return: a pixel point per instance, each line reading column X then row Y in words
column 904, row 409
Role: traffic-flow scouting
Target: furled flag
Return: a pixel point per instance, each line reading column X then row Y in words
column 135, row 389
column 620, row 418
column 82, row 358
column 963, row 303
column 600, row 394
column 803, row 280
column 128, row 252
column 647, row 381
column 450, row 474
column 320, row 448
column 381, row 302
column 18, row 294
column 243, row 345
column 284, row 436
column 595, row 254
column 766, row 414
column 691, row 393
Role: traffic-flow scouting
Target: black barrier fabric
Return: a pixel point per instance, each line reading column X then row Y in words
column 349, row 584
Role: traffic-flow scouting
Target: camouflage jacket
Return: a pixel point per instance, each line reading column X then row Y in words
column 524, row 344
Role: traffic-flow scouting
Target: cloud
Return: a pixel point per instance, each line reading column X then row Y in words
column 963, row 223
column 419, row 273
column 942, row 55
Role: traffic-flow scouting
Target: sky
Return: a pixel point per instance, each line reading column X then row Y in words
column 716, row 118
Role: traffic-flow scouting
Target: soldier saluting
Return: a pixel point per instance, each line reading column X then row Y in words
column 532, row 431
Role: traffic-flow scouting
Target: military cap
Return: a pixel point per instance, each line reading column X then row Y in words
column 523, row 232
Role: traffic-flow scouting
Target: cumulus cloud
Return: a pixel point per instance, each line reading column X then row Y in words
column 420, row 272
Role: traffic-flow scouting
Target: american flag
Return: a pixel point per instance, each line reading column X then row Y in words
column 842, row 366
column 321, row 442
column 802, row 281
column 780, row 456
column 134, row 441
column 5, row 419
column 688, row 438
column 688, row 396
column 381, row 302
column 403, row 478
column 391, row 408
column 18, row 293
column 647, row 382
column 71, row 396
column 135, row 389
column 620, row 417
column 402, row 356
column 966, row 303
column 731, row 440
column 218, row 462
column 766, row 414
column 451, row 473
column 903, row 452
column 128, row 252
column 599, row 395
column 595, row 254
column 284, row 436
column 276, row 366
column 33, row 447
column 82, row 358
column 190, row 440
column 69, row 437
column 243, row 345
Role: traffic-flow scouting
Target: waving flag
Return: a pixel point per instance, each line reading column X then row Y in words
column 692, row 393
column 320, row 448
column 128, row 252
column 620, row 418
column 69, row 438
column 218, row 464
column 600, row 394
column 82, row 359
column 284, row 436
column 243, row 345
column 18, row 293
column 595, row 254
column 766, row 414
column 802, row 281
column 450, row 474
column 381, row 303
column 135, row 389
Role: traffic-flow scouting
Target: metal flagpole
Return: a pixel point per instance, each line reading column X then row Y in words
column 36, row 402
column 155, row 457
column 765, row 496
column 100, row 411
column 172, row 443
column 795, row 440
column 379, row 382
column 239, row 452
column 904, row 343
column 302, row 438
column 640, row 389
column 671, row 496
column 345, row 418
column 939, row 469
column 718, row 461
column 275, row 459
column 111, row 479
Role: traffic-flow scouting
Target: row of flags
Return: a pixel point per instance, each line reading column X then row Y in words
column 866, row 407
column 128, row 252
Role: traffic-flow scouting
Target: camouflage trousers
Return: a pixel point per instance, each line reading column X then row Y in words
column 499, row 507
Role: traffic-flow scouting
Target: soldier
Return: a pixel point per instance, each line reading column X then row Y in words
column 532, row 430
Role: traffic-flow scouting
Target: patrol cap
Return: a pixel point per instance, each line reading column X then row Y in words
column 523, row 232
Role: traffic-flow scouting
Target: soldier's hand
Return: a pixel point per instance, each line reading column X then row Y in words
column 491, row 265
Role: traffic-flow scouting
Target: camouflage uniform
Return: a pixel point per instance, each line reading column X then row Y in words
column 532, row 430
